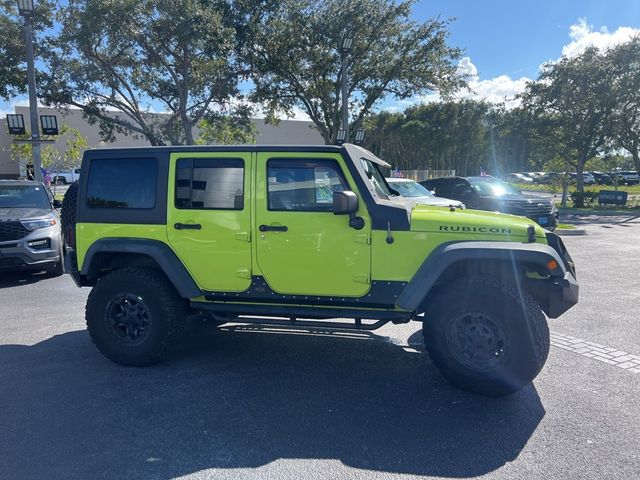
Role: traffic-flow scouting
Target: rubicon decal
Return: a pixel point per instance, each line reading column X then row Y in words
column 458, row 228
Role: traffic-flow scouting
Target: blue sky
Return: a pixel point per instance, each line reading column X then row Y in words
column 514, row 37
column 505, row 42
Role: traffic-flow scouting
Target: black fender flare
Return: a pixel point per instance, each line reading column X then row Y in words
column 164, row 256
column 447, row 254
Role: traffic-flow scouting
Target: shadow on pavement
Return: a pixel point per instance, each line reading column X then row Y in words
column 25, row 277
column 242, row 397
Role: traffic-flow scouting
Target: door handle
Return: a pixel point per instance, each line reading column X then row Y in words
column 187, row 226
column 273, row 228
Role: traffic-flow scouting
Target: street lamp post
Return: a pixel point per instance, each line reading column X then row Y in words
column 26, row 10
column 347, row 42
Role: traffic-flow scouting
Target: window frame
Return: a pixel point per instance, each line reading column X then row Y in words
column 192, row 167
column 302, row 162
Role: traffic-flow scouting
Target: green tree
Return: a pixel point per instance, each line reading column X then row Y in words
column 295, row 58
column 13, row 70
column 573, row 107
column 625, row 86
column 225, row 130
column 435, row 136
column 54, row 157
column 117, row 59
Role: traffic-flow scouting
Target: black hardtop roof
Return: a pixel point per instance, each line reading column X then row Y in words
column 353, row 150
column 222, row 148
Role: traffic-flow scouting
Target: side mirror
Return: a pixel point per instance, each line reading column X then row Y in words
column 345, row 203
column 57, row 204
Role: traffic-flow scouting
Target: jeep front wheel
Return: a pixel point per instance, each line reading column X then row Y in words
column 133, row 314
column 486, row 336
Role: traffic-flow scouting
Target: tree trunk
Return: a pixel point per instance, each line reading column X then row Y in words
column 579, row 201
column 636, row 157
column 565, row 193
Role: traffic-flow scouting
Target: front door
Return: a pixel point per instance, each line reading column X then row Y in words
column 209, row 219
column 302, row 247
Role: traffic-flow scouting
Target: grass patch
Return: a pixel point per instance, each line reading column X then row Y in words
column 566, row 226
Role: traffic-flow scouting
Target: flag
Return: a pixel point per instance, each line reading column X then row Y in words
column 483, row 173
column 45, row 177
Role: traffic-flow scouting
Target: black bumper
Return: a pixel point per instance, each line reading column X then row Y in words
column 559, row 295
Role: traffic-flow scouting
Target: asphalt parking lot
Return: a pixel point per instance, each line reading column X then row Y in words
column 247, row 402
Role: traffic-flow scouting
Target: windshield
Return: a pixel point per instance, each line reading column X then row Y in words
column 23, row 196
column 494, row 188
column 376, row 178
column 410, row 189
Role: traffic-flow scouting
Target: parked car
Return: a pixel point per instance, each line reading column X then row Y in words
column 249, row 231
column 413, row 193
column 30, row 233
column 629, row 177
column 602, row 178
column 588, row 178
column 64, row 176
column 489, row 193
column 518, row 178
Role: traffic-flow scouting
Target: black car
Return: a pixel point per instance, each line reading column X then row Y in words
column 488, row 193
column 602, row 178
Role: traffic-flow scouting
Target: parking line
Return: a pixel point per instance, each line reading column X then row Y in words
column 602, row 353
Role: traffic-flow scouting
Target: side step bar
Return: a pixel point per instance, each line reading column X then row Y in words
column 295, row 313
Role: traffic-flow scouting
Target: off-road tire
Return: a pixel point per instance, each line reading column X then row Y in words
column 68, row 212
column 493, row 313
column 166, row 314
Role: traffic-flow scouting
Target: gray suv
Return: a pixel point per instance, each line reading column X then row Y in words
column 30, row 232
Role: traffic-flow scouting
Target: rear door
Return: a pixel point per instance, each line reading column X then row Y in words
column 209, row 217
column 302, row 248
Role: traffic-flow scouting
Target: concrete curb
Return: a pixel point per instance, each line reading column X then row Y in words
column 602, row 213
column 565, row 232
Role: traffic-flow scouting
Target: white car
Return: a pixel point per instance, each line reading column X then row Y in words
column 64, row 176
column 412, row 192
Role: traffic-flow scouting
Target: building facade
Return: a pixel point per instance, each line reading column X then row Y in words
column 293, row 132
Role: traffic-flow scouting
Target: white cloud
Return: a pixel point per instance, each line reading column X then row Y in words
column 583, row 36
column 503, row 88
column 500, row 89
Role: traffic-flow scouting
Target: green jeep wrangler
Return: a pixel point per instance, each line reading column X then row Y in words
column 301, row 235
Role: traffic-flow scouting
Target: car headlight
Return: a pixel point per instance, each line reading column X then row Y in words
column 32, row 225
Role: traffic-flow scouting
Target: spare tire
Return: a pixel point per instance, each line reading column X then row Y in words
column 68, row 214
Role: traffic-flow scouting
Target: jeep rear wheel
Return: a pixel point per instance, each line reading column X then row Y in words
column 486, row 336
column 134, row 315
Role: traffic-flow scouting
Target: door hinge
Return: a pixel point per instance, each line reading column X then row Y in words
column 243, row 236
column 362, row 238
column 362, row 278
column 243, row 273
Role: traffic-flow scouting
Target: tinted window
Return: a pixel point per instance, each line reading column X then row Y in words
column 122, row 183
column 208, row 183
column 300, row 185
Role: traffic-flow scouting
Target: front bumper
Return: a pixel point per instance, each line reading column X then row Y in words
column 559, row 295
column 20, row 255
